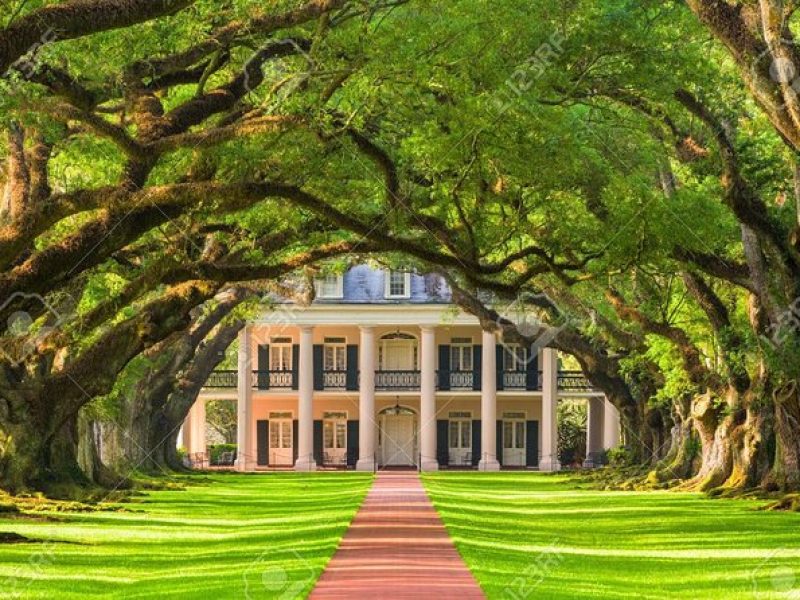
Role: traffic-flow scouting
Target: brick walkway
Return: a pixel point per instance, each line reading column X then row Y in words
column 397, row 547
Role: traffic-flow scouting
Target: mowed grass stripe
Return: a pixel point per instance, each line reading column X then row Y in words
column 225, row 535
column 532, row 535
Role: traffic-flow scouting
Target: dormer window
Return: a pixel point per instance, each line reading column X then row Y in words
column 330, row 286
column 398, row 284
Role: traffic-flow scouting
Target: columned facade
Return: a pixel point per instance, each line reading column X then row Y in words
column 427, row 415
column 305, row 402
column 550, row 460
column 245, row 460
column 366, row 399
column 488, row 460
column 360, row 386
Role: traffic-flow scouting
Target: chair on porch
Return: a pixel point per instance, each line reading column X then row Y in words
column 225, row 459
column 198, row 460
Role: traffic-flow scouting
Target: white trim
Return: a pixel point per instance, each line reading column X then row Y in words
column 515, row 415
column 325, row 414
column 271, row 413
column 387, row 278
column 467, row 415
column 367, row 315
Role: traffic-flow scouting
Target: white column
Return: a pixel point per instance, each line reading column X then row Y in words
column 305, row 402
column 244, row 415
column 488, row 461
column 549, row 460
column 427, row 414
column 186, row 432
column 594, row 431
column 366, row 400
column 199, row 433
column 611, row 427
column 180, row 443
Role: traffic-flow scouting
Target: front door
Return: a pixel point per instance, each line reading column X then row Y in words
column 280, row 442
column 334, row 436
column 514, row 442
column 460, row 438
column 398, row 440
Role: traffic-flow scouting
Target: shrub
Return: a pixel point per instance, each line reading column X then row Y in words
column 215, row 452
column 619, row 457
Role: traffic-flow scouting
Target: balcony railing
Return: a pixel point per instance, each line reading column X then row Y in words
column 222, row 379
column 334, row 380
column 263, row 380
column 461, row 380
column 572, row 381
column 397, row 380
column 514, row 380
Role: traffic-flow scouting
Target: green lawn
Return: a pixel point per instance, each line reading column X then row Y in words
column 527, row 535
column 231, row 536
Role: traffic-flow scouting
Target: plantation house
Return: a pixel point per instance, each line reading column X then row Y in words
column 381, row 369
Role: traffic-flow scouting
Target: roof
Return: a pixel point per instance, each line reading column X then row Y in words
column 363, row 284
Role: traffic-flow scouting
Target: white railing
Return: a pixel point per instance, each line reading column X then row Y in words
column 334, row 379
column 397, row 380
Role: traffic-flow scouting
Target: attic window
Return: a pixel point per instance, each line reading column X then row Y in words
column 398, row 284
column 330, row 286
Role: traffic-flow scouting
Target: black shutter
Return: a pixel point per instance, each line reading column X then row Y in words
column 442, row 443
column 318, row 443
column 262, row 444
column 319, row 363
column 295, row 365
column 532, row 443
column 532, row 369
column 352, row 443
column 295, row 435
column 263, row 366
column 499, row 355
column 444, row 367
column 351, row 382
column 476, row 442
column 477, row 362
column 499, row 441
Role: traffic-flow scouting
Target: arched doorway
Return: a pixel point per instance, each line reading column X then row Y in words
column 397, row 437
column 397, row 352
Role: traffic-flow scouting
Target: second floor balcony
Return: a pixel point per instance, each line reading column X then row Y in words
column 400, row 381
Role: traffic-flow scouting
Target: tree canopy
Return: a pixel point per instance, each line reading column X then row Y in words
column 626, row 168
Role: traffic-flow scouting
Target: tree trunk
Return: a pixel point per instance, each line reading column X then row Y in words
column 89, row 457
column 786, row 467
column 680, row 461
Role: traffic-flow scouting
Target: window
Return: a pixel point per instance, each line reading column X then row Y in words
column 461, row 354
column 334, row 428
column 280, row 430
column 280, row 354
column 330, row 286
column 515, row 357
column 398, row 284
column 460, row 433
column 513, row 435
column 335, row 354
